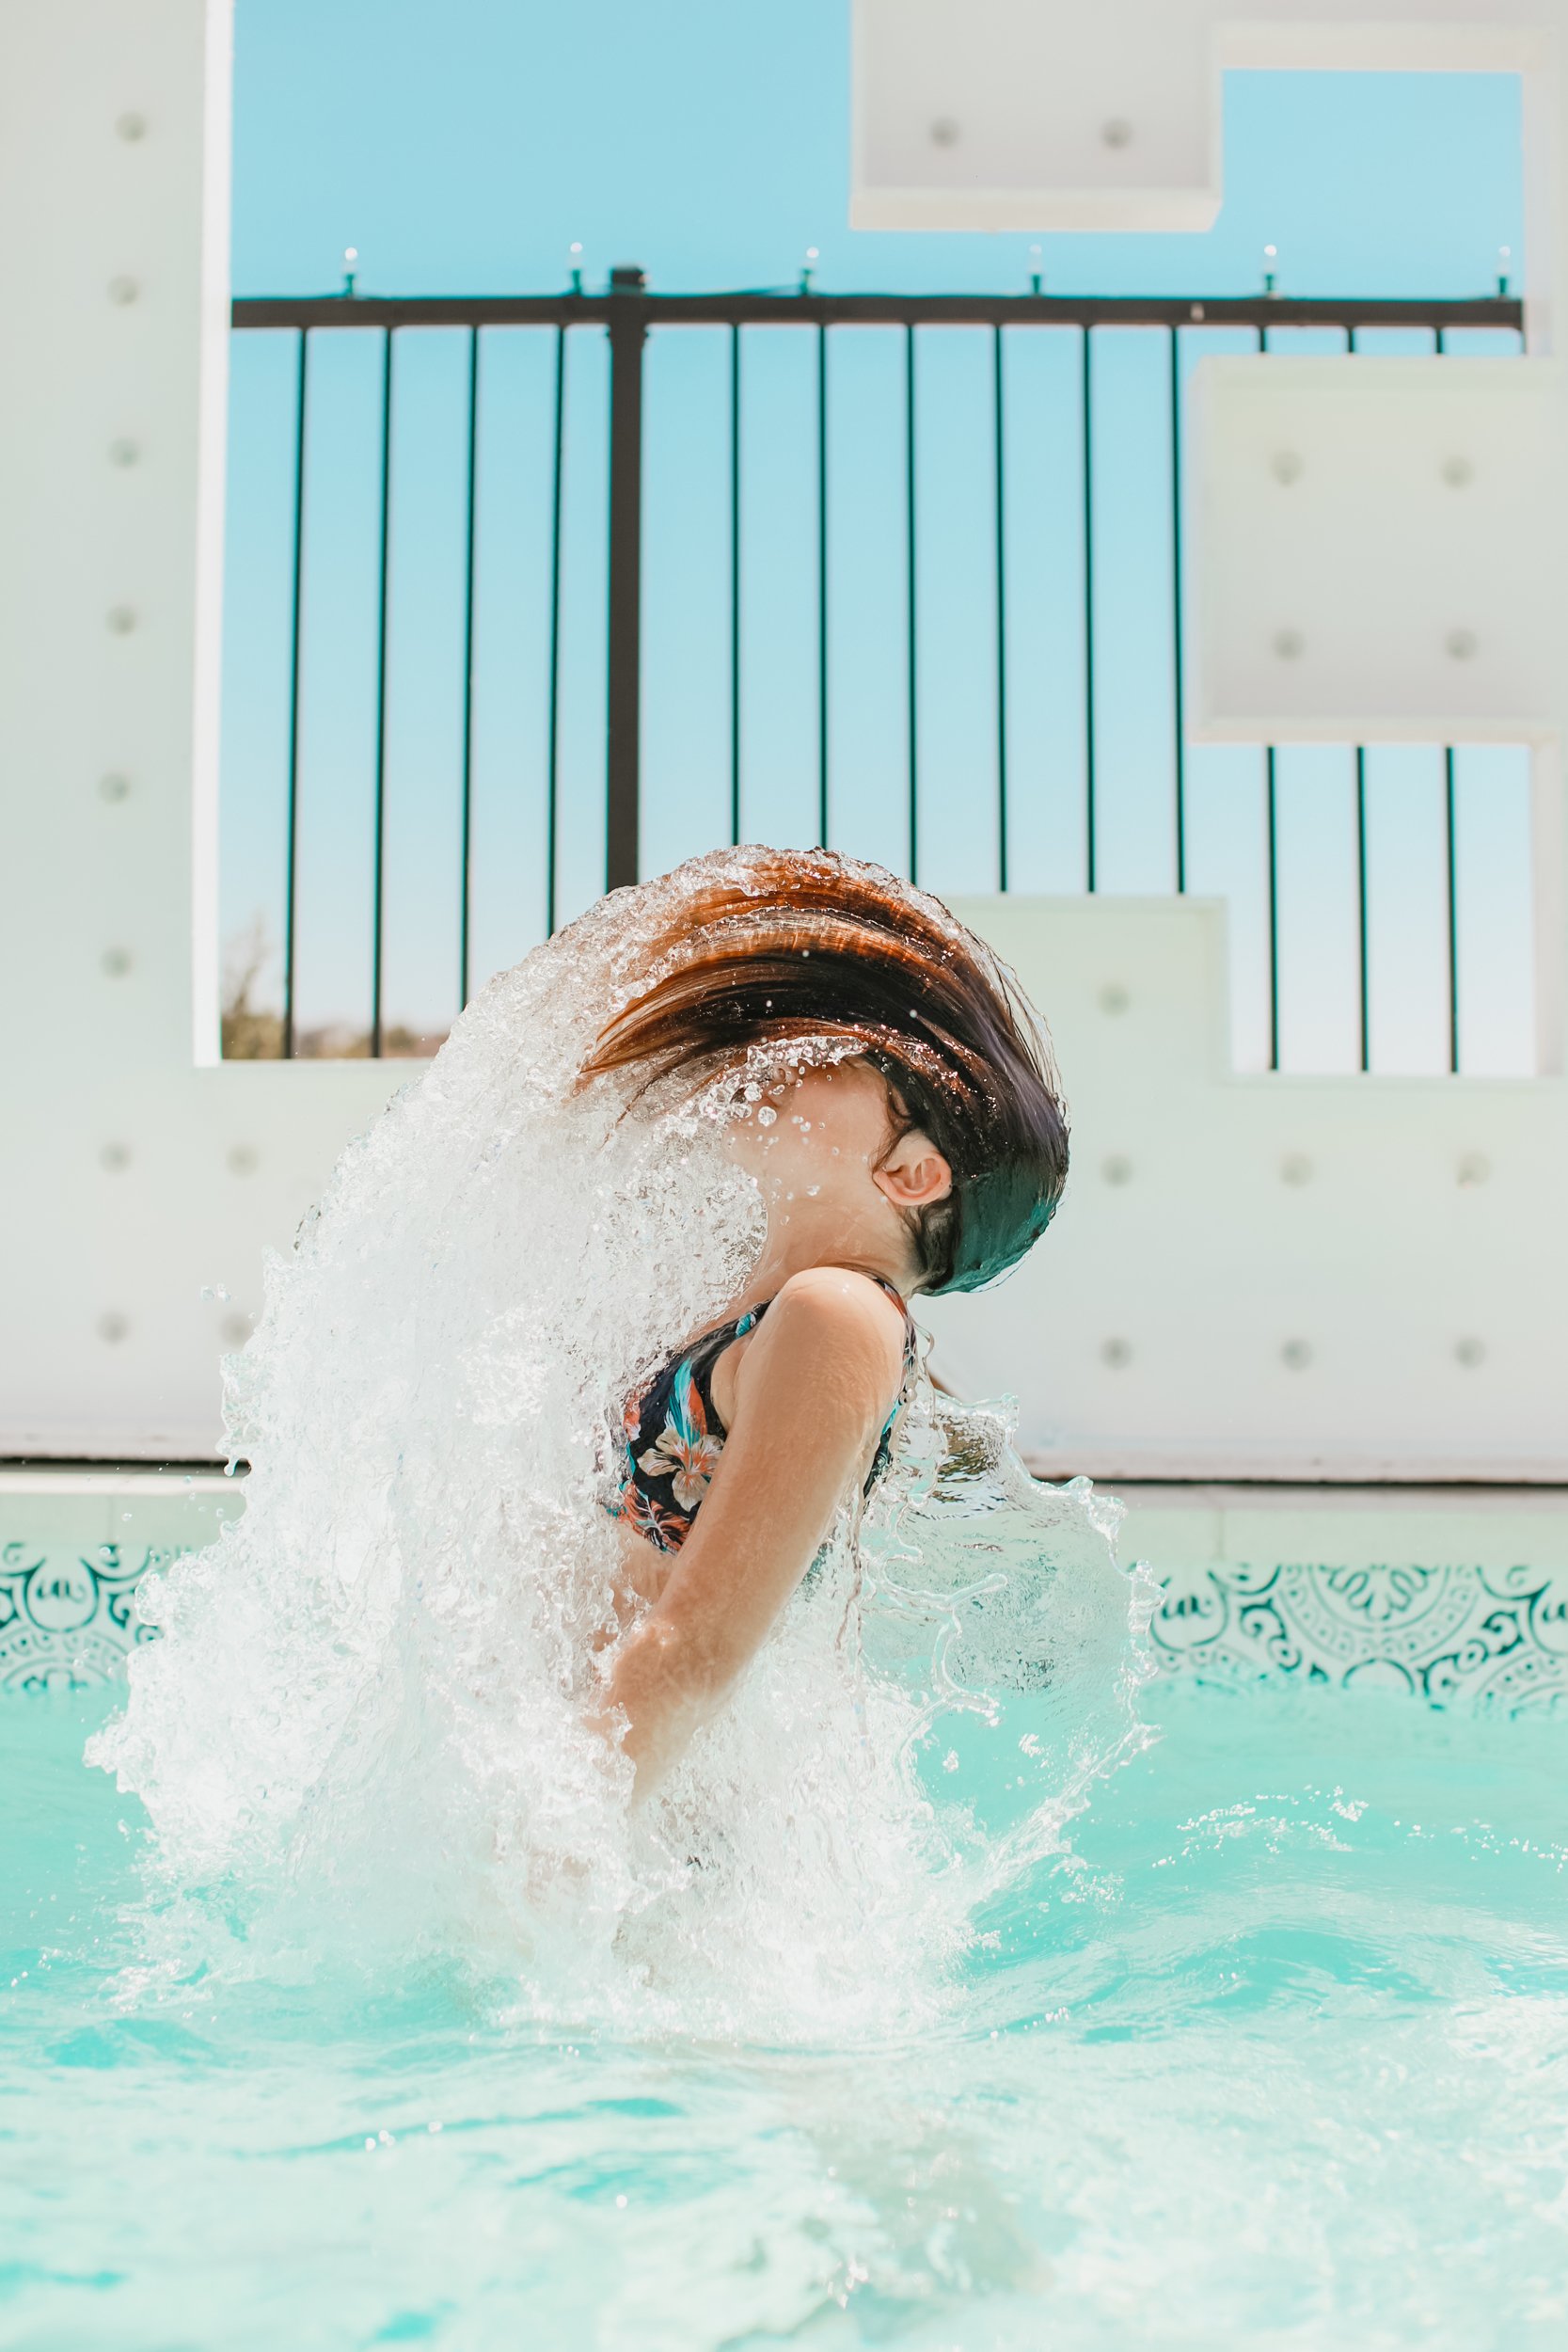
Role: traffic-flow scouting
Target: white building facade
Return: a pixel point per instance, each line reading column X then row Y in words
column 1253, row 1276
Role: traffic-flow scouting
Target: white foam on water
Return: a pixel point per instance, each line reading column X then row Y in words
column 365, row 1728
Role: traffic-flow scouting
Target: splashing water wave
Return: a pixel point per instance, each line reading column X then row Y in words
column 365, row 1721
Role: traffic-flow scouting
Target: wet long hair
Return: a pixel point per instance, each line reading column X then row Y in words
column 779, row 946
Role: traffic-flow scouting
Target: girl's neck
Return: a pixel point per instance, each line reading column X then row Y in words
column 804, row 1240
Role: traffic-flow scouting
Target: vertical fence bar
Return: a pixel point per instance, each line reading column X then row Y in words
column 1272, row 821
column 463, row 925
column 735, row 582
column 291, row 873
column 1090, row 825
column 378, row 911
column 1271, row 838
column 1363, row 923
column 912, row 607
column 627, row 330
column 1451, row 876
column 998, row 428
column 552, row 731
column 1363, row 920
column 822, row 586
column 1453, row 909
column 1177, row 710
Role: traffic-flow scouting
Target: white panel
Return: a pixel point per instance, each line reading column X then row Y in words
column 1265, row 1276
column 129, row 1179
column 1048, row 114
column 1380, row 549
column 993, row 115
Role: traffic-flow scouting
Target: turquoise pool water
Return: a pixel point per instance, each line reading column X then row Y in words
column 1274, row 2055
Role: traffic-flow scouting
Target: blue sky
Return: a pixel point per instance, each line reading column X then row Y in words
column 465, row 147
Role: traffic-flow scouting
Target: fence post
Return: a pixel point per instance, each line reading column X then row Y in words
column 627, row 329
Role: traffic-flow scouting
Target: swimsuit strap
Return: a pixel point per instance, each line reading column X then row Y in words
column 724, row 1333
column 674, row 1434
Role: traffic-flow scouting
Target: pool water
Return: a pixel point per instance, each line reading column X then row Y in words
column 1274, row 2053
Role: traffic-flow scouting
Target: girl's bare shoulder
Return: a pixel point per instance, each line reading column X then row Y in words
column 835, row 1312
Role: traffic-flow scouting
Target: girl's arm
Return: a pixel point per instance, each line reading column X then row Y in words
column 813, row 1391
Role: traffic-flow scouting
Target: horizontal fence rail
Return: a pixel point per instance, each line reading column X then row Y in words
column 633, row 303
column 408, row 529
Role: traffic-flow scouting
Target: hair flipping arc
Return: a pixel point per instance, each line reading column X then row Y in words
column 775, row 948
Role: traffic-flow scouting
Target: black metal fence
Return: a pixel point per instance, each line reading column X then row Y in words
column 625, row 314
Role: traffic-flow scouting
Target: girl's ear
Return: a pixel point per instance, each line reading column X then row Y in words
column 915, row 1172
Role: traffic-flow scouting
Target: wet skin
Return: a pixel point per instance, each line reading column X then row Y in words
column 803, row 1399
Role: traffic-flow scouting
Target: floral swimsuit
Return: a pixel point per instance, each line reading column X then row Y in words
column 673, row 1438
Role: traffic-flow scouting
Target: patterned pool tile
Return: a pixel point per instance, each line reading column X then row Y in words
column 69, row 1618
column 1447, row 1632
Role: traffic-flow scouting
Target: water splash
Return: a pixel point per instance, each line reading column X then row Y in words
column 365, row 1723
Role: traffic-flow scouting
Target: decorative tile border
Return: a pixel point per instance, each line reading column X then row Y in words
column 67, row 1618
column 1445, row 1633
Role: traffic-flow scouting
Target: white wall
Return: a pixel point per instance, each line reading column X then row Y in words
column 129, row 1176
column 1377, row 1315
column 1266, row 1276
column 134, row 1172
column 1383, row 549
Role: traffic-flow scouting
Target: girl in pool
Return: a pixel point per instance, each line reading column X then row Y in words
column 415, row 1681
column 907, row 1134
